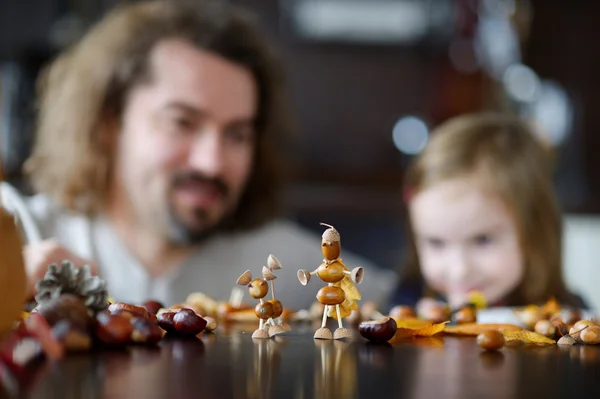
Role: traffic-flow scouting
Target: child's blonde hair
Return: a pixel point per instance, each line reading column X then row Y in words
column 503, row 153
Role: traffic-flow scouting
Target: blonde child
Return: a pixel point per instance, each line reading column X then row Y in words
column 483, row 217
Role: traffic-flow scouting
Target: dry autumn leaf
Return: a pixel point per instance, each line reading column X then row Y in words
column 411, row 323
column 475, row 329
column 551, row 307
column 416, row 330
column 528, row 337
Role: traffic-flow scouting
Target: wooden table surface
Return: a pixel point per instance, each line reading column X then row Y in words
column 230, row 364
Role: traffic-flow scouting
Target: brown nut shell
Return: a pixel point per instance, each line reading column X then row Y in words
column 331, row 295
column 187, row 322
column 378, row 330
column 332, row 272
column 264, row 310
column 490, row 340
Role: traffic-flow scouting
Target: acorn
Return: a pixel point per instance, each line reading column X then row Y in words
column 331, row 295
column 465, row 315
column 490, row 340
column 258, row 288
column 546, row 328
column 330, row 243
column 378, row 330
column 331, row 272
column 402, row 312
column 591, row 335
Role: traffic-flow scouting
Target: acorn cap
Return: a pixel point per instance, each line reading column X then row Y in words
column 273, row 263
column 330, row 235
column 245, row 278
column 267, row 274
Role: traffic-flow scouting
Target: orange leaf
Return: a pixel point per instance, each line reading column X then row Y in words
column 411, row 323
column 529, row 337
column 476, row 329
column 421, row 331
column 551, row 307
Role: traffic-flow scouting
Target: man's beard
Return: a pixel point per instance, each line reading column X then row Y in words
column 181, row 232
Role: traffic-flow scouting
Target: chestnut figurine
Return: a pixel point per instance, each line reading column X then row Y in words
column 269, row 311
column 340, row 295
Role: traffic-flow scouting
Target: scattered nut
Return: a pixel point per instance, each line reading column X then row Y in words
column 145, row 331
column 187, row 322
column 113, row 329
column 566, row 340
column 72, row 338
column 378, row 330
column 152, row 307
column 546, row 328
column 591, row 335
column 211, row 324
column 263, row 310
column 66, row 307
column 165, row 321
column 465, row 315
column 490, row 340
column 402, row 312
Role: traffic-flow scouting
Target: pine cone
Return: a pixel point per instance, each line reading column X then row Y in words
column 78, row 281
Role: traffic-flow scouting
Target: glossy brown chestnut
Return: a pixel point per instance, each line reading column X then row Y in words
column 113, row 329
column 331, row 273
column 465, row 315
column 152, row 307
column 264, row 310
column 145, row 331
column 165, row 321
column 491, row 340
column 378, row 330
column 331, row 295
column 277, row 307
column 187, row 322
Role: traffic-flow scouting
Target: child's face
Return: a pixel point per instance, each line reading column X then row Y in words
column 466, row 241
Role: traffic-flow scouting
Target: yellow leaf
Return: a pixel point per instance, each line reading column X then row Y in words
column 478, row 299
column 476, row 329
column 25, row 315
column 551, row 307
column 430, row 330
column 528, row 337
column 419, row 331
column 411, row 323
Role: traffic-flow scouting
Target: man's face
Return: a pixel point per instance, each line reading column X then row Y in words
column 186, row 144
column 466, row 240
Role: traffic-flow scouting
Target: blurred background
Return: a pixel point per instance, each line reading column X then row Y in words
column 368, row 79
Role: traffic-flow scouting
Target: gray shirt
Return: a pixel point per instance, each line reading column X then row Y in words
column 212, row 269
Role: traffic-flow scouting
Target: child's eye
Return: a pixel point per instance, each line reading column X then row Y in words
column 435, row 243
column 483, row 239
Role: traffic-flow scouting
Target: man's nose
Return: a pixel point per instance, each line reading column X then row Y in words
column 206, row 153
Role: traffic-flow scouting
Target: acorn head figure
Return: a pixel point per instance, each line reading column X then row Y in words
column 258, row 288
column 330, row 243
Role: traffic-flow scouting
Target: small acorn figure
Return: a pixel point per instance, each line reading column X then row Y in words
column 269, row 311
column 341, row 294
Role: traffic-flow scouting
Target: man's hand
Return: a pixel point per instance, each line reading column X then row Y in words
column 40, row 255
